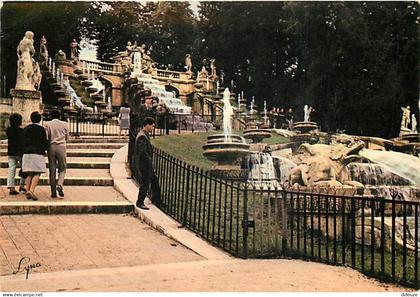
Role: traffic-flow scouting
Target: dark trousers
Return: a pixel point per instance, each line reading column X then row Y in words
column 149, row 179
column 57, row 160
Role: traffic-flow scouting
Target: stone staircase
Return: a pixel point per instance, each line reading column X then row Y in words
column 88, row 185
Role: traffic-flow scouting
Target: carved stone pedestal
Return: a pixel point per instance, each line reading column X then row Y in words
column 25, row 102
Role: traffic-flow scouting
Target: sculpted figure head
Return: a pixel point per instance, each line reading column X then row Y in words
column 29, row 35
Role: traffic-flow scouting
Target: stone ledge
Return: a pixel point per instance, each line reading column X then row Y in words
column 63, row 207
column 155, row 217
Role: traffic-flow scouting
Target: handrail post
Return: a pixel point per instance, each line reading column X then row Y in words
column 103, row 125
column 185, row 210
column 77, row 124
column 245, row 224
column 283, row 210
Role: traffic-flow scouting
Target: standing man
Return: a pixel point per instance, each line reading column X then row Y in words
column 57, row 134
column 148, row 109
column 144, row 166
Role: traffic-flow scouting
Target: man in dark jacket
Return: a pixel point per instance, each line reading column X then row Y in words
column 143, row 159
column 14, row 152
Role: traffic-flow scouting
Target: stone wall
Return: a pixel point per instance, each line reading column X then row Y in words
column 5, row 111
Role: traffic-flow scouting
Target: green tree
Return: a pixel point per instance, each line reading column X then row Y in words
column 166, row 27
column 57, row 21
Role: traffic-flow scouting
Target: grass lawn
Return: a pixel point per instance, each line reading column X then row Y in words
column 189, row 147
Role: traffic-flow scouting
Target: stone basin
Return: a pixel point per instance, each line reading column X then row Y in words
column 55, row 85
column 64, row 100
column 69, row 109
column 100, row 103
column 221, row 138
column 97, row 97
column 257, row 135
column 411, row 137
column 60, row 92
column 78, row 71
column 225, row 153
column 86, row 83
column 305, row 127
column 82, row 77
column 91, row 89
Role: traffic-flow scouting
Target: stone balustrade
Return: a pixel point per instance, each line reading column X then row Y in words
column 159, row 73
column 102, row 66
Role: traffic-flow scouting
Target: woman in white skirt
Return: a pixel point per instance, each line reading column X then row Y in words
column 124, row 118
column 35, row 144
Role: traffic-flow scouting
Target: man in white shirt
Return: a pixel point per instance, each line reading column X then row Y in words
column 57, row 134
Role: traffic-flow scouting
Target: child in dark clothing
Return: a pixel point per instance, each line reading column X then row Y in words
column 14, row 152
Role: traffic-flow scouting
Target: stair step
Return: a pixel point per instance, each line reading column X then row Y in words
column 74, row 162
column 86, row 145
column 76, row 177
column 73, row 165
column 71, row 181
column 90, row 139
column 64, row 207
column 97, row 140
column 102, row 153
column 114, row 146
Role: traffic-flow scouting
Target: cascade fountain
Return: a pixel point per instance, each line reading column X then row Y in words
column 346, row 164
column 254, row 131
column 137, row 70
column 304, row 130
column 227, row 148
column 174, row 104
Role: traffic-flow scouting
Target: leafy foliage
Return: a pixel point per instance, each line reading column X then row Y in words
column 356, row 63
column 57, row 21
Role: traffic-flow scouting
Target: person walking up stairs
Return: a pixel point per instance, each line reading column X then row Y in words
column 57, row 134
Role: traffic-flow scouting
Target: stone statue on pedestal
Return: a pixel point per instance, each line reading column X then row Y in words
column 405, row 117
column 28, row 72
column 213, row 68
column 413, row 123
column 25, row 96
column 43, row 49
column 203, row 73
column 129, row 48
column 60, row 56
column 307, row 113
column 188, row 63
column 74, row 50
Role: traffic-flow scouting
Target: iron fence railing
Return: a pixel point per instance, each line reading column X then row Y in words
column 102, row 124
column 92, row 124
column 377, row 236
column 210, row 206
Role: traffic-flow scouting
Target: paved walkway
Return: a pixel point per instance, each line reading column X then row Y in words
column 204, row 276
column 68, row 242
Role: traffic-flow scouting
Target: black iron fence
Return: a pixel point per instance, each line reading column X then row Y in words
column 92, row 124
column 376, row 236
column 104, row 125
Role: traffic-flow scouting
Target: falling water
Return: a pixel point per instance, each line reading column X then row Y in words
column 261, row 170
column 283, row 166
column 227, row 115
column 137, row 64
column 376, row 175
column 404, row 165
column 53, row 69
column 265, row 112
